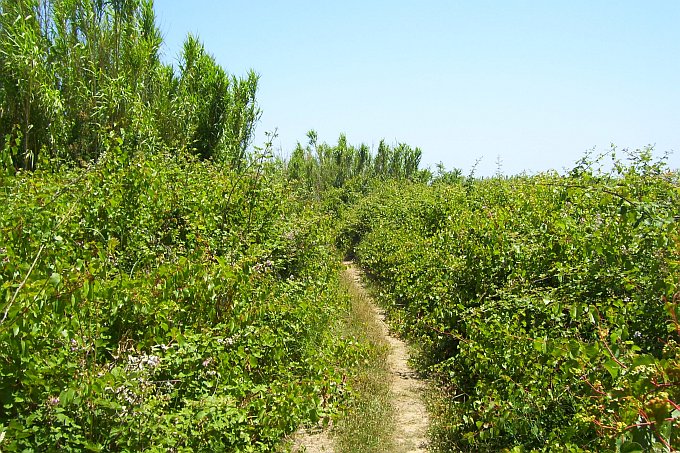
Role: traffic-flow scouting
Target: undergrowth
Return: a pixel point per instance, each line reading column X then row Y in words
column 545, row 307
column 159, row 303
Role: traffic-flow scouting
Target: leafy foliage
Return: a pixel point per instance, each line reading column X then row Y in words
column 162, row 288
column 74, row 71
column 151, row 303
column 546, row 306
column 319, row 167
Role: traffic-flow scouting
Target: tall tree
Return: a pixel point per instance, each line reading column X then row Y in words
column 74, row 73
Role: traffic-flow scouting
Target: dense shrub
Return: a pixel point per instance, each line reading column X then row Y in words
column 545, row 306
column 156, row 303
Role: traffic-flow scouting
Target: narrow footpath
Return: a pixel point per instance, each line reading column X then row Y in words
column 410, row 416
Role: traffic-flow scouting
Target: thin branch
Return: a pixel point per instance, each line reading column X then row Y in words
column 621, row 364
column 595, row 389
column 16, row 293
column 35, row 261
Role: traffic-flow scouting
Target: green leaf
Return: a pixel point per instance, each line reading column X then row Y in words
column 644, row 359
column 631, row 447
column 612, row 367
column 592, row 351
column 67, row 396
column 574, row 349
column 573, row 311
column 539, row 345
column 55, row 279
column 591, row 317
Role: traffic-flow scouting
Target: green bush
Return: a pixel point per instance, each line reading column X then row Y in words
column 544, row 306
column 158, row 303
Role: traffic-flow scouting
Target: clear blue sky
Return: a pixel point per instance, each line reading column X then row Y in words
column 534, row 82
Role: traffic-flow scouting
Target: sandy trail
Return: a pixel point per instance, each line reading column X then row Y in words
column 411, row 418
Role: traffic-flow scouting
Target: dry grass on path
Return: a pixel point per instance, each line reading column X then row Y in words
column 411, row 421
column 387, row 413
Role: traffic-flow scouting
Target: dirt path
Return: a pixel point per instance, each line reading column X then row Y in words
column 410, row 417
column 313, row 442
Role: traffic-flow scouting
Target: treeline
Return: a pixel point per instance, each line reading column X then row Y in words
column 76, row 73
column 319, row 167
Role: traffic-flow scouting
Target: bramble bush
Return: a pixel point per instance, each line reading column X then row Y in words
column 151, row 302
column 545, row 306
column 161, row 286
